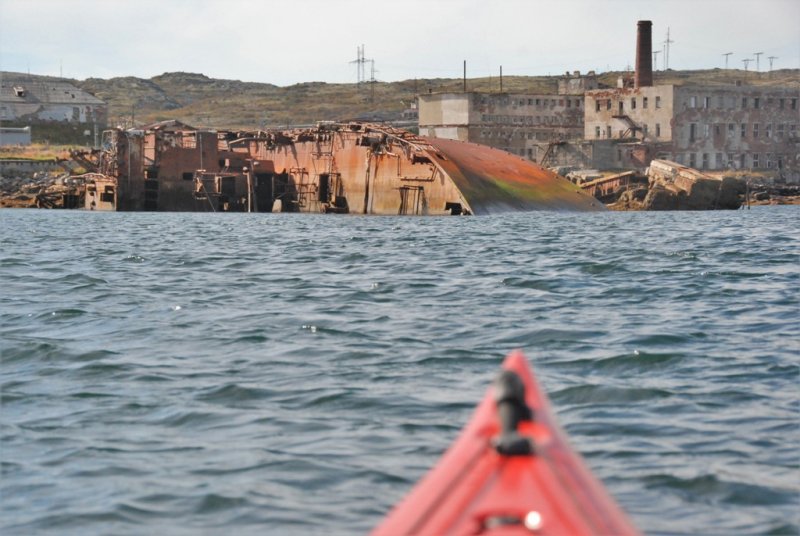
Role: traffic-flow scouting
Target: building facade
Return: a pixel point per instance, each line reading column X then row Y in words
column 530, row 125
column 521, row 124
column 43, row 100
column 737, row 127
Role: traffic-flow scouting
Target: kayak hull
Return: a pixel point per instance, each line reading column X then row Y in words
column 474, row 489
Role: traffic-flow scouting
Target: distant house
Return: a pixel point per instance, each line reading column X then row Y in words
column 43, row 101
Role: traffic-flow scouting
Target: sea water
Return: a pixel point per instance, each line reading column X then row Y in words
column 297, row 374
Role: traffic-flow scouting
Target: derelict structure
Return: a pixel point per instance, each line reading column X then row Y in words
column 355, row 168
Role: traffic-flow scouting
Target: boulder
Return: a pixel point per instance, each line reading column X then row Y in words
column 660, row 198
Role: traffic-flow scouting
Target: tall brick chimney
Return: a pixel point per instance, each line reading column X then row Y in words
column 644, row 54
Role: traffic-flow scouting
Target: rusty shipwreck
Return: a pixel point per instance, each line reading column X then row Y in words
column 354, row 168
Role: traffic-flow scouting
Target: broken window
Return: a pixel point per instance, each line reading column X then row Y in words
column 769, row 161
column 794, row 104
column 608, row 104
column 658, row 101
column 707, row 102
column 744, row 130
column 768, row 130
column 755, row 130
column 597, row 106
column 718, row 161
column 756, row 103
column 731, row 160
column 692, row 131
column 706, row 131
column 731, row 129
column 742, row 161
column 756, row 163
column 633, row 103
column 608, row 131
column 596, row 132
column 705, row 160
column 744, row 102
column 644, row 129
column 692, row 160
column 644, row 102
column 781, row 130
column 658, row 130
column 781, row 103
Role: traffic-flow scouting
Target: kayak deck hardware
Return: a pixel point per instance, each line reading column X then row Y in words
column 509, row 395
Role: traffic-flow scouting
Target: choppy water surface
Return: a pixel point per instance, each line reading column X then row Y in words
column 288, row 374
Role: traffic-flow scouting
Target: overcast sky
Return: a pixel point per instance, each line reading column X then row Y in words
column 289, row 41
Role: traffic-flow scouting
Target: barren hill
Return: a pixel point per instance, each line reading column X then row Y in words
column 202, row 101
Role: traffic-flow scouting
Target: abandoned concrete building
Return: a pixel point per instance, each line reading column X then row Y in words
column 528, row 125
column 740, row 126
column 43, row 100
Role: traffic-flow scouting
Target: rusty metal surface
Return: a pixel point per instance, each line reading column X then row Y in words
column 492, row 180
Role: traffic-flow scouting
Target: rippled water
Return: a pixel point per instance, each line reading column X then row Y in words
column 295, row 374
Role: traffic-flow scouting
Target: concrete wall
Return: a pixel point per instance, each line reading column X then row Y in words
column 521, row 124
column 445, row 109
column 15, row 136
column 740, row 127
column 649, row 108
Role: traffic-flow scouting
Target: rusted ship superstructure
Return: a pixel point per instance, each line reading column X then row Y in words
column 352, row 167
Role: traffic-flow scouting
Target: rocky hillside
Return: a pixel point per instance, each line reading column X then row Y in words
column 202, row 101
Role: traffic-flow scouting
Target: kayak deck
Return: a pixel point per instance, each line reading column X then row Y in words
column 474, row 489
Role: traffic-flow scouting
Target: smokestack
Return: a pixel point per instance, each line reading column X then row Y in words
column 644, row 54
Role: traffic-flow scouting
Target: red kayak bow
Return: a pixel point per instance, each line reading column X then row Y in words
column 510, row 472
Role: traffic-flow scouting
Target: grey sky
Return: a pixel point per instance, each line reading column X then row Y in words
column 289, row 41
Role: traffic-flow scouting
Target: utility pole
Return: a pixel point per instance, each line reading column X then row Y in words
column 372, row 80
column 757, row 54
column 666, row 55
column 501, row 79
column 465, row 76
column 655, row 58
column 726, row 59
column 770, row 61
column 746, row 62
